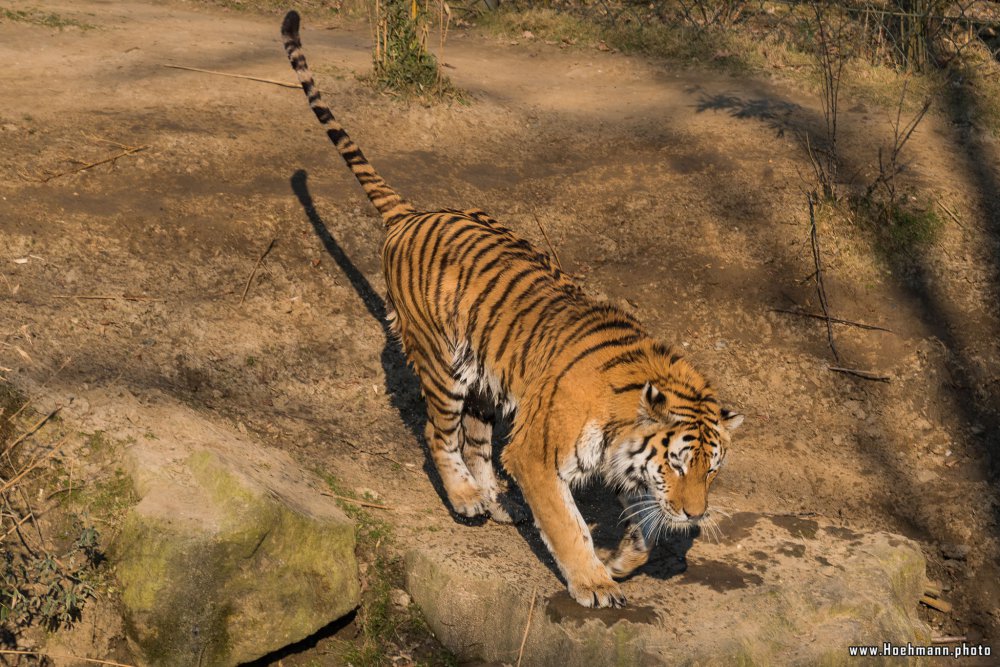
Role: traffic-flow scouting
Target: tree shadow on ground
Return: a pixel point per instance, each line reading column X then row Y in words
column 967, row 395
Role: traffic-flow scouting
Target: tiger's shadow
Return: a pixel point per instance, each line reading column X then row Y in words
column 598, row 505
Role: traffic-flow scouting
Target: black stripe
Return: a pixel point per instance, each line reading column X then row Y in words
column 635, row 386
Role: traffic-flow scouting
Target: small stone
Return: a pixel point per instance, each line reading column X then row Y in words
column 955, row 551
column 400, row 598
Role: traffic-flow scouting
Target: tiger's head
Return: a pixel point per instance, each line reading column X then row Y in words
column 671, row 455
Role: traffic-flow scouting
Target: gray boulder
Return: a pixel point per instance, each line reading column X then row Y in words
column 232, row 552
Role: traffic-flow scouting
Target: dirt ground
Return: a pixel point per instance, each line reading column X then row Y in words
column 679, row 193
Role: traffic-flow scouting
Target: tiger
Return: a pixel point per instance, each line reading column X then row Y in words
column 492, row 326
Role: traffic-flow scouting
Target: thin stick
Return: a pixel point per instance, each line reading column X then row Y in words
column 34, row 427
column 836, row 320
column 44, row 384
column 17, row 525
column 363, row 503
column 548, row 242
column 865, row 375
column 94, row 661
column 820, row 288
column 949, row 640
column 89, row 165
column 106, row 297
column 941, row 605
column 34, row 464
column 527, row 626
column 950, row 213
column 283, row 84
column 254, row 272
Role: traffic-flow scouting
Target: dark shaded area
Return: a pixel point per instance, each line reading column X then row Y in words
column 310, row 642
column 967, row 396
column 778, row 115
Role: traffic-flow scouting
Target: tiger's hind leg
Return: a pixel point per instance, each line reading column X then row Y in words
column 478, row 418
column 444, row 396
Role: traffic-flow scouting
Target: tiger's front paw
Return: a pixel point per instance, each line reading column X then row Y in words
column 604, row 594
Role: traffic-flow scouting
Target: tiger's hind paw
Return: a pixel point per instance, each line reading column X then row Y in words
column 506, row 512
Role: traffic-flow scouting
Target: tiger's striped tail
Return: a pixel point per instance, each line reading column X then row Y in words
column 388, row 202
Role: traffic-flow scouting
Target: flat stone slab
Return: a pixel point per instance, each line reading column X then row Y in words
column 771, row 590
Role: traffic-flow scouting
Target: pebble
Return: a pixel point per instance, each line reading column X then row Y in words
column 400, row 598
column 955, row 551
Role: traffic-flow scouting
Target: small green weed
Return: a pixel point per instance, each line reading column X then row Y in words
column 39, row 588
column 385, row 628
column 39, row 17
column 400, row 57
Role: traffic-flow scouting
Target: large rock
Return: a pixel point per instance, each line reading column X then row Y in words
column 773, row 590
column 231, row 552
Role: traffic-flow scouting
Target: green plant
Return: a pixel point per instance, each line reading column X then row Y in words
column 38, row 17
column 401, row 59
column 39, row 588
column 384, row 627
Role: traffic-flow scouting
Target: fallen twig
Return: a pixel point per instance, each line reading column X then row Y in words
column 17, row 524
column 34, row 427
column 284, row 84
column 93, row 661
column 256, row 266
column 941, row 605
column 548, row 242
column 34, row 464
column 949, row 640
column 107, row 297
column 363, row 503
column 950, row 213
column 836, row 320
column 820, row 288
column 88, row 165
column 865, row 375
column 527, row 626
column 44, row 384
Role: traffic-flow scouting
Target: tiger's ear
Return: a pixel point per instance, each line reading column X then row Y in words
column 731, row 420
column 652, row 404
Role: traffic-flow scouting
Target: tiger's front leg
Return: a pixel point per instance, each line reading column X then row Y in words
column 563, row 529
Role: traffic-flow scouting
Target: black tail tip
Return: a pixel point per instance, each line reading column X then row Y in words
column 290, row 26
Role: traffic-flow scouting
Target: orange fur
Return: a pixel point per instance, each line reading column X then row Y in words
column 487, row 320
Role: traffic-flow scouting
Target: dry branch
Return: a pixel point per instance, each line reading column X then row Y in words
column 44, row 384
column 951, row 214
column 836, row 320
column 527, row 626
column 34, row 427
column 548, row 242
column 363, row 503
column 107, row 297
column 864, row 375
column 93, row 661
column 34, row 464
column 941, row 605
column 256, row 266
column 87, row 165
column 820, row 287
column 283, row 84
